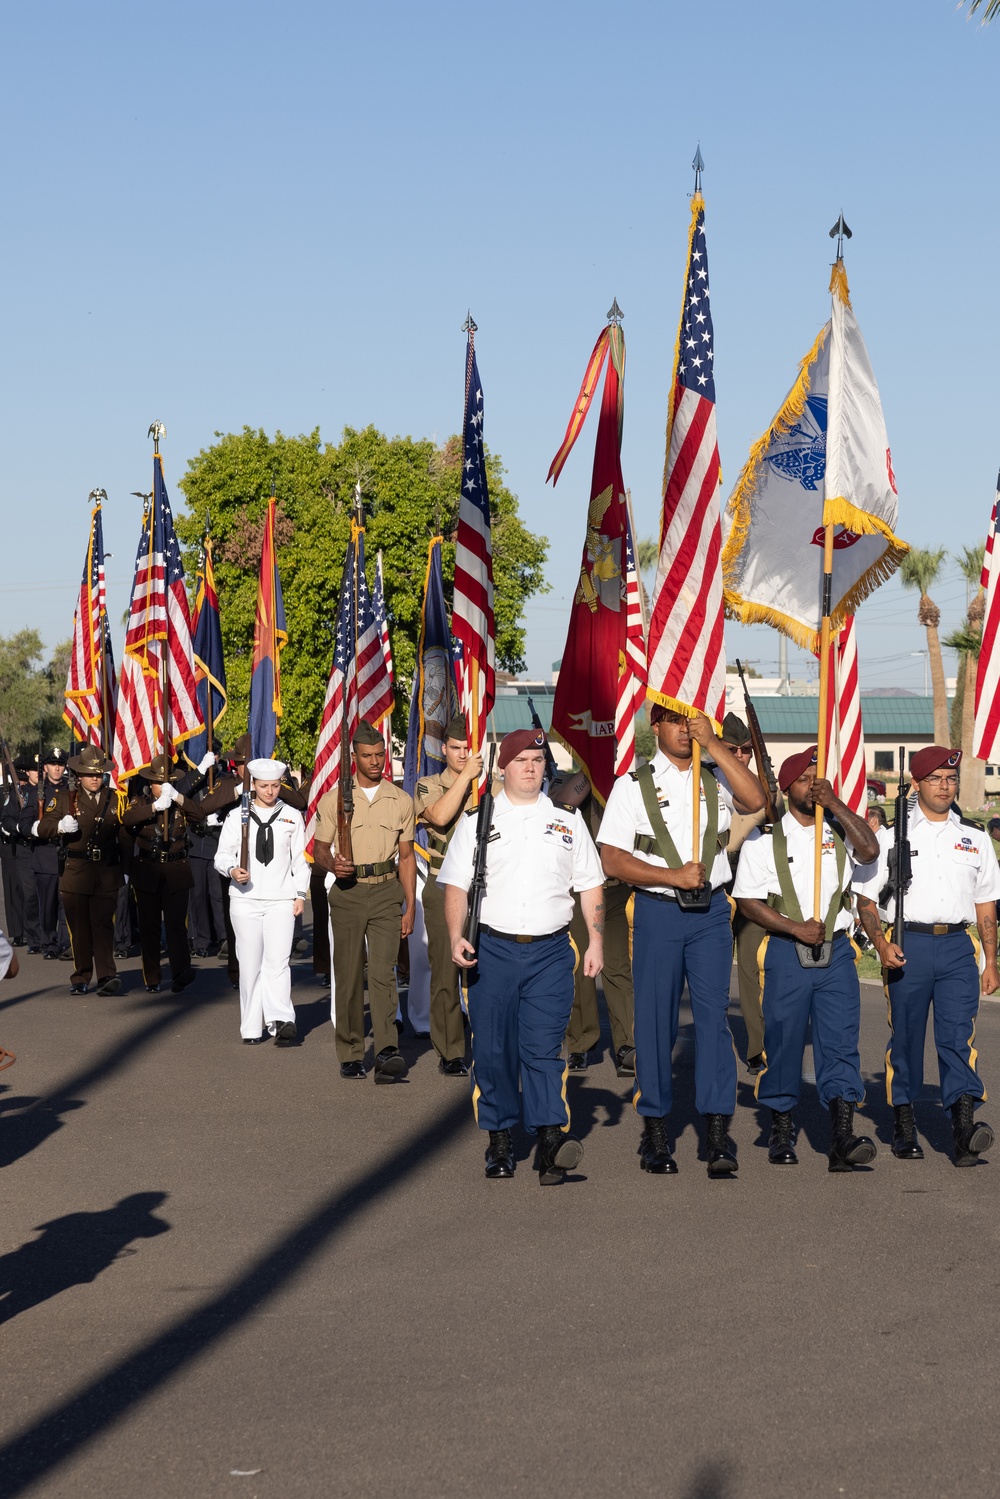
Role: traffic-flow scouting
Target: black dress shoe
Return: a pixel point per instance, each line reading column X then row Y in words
column 755, row 1063
column 971, row 1135
column 121, row 952
column 79, row 989
column 51, row 955
column 847, row 1149
column 17, row 942
column 256, row 1040
column 654, row 1152
column 557, row 1153
column 905, row 1140
column 199, row 952
column 152, row 988
column 721, row 1154
column 390, row 1065
column 625, row 1061
column 353, row 1069
column 453, row 1067
column 500, row 1163
column 112, row 985
column 285, row 1034
column 781, row 1145
column 578, row 1061
column 184, row 978
column 34, row 950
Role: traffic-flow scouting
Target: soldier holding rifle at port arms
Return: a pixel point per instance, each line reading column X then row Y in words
column 955, row 880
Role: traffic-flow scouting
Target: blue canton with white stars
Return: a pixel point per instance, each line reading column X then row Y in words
column 346, row 645
column 697, row 349
column 474, row 460
column 164, row 537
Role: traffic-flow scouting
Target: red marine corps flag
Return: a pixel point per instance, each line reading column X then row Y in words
column 603, row 666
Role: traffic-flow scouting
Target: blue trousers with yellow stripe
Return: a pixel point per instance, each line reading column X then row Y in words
column 790, row 995
column 668, row 946
column 942, row 969
column 519, row 1008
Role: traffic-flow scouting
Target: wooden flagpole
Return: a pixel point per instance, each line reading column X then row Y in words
column 696, row 803
column 474, row 720
column 824, row 695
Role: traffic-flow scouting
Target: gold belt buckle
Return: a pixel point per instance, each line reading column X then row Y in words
column 940, row 929
column 522, row 939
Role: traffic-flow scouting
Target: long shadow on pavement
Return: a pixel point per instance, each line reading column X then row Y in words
column 73, row 1250
column 77, row 1420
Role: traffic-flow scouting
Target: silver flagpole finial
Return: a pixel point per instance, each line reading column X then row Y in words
column 97, row 496
column 697, row 166
column 156, row 431
column 615, row 314
column 840, row 232
column 469, row 326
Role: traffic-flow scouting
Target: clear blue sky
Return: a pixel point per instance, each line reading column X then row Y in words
column 222, row 213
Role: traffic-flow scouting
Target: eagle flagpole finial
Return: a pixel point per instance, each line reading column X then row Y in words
column 156, row 431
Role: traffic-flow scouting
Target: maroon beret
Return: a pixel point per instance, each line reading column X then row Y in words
column 932, row 758
column 512, row 745
column 795, row 766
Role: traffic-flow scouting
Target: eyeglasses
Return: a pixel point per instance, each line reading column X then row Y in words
column 941, row 780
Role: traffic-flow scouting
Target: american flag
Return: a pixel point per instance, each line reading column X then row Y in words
column 382, row 620
column 157, row 645
column 91, row 687
column 632, row 667
column 845, row 755
column 472, row 612
column 359, row 685
column 687, row 662
column 986, row 738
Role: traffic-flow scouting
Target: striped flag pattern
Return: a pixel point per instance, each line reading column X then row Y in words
column 91, row 686
column 986, row 738
column 845, row 756
column 157, row 645
column 472, row 620
column 687, row 662
column 359, row 685
column 632, row 666
column 382, row 620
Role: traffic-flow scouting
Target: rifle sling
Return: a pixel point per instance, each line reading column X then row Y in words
column 787, row 903
column 665, row 845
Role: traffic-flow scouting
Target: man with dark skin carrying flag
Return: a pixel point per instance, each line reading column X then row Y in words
column 774, row 888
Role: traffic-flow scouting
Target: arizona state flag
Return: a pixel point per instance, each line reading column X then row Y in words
column 269, row 638
column 586, row 698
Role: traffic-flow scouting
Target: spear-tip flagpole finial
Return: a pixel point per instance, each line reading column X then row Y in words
column 97, row 497
column 156, row 431
column 615, row 314
column 697, row 166
column 470, row 326
column 840, row 232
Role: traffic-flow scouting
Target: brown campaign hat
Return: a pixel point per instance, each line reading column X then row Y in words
column 926, row 761
column 160, row 769
column 91, row 761
column 795, row 766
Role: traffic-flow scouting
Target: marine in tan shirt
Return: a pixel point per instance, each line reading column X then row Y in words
column 365, row 905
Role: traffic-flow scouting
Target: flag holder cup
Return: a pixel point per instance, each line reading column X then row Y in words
column 695, row 900
column 814, row 957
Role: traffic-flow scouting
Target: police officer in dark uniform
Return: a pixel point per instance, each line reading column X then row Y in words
column 13, row 903
column 205, row 903
column 20, row 854
column 158, row 821
column 45, row 854
column 955, row 882
column 85, row 820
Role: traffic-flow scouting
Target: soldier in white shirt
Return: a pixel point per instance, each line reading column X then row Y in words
column 264, row 902
column 521, row 995
column 955, row 881
column 646, row 840
column 774, row 888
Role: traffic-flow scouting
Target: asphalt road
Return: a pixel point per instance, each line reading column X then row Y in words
column 227, row 1272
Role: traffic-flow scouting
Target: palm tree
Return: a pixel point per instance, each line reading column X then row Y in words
column 647, row 555
column 967, row 641
column 992, row 9
column 920, row 569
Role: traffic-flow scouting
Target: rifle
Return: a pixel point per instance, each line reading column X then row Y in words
column 245, row 817
column 345, row 803
column 765, row 770
column 9, row 773
column 900, row 867
column 551, row 769
column 477, row 889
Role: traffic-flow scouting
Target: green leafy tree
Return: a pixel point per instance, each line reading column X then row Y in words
column 410, row 489
column 31, row 692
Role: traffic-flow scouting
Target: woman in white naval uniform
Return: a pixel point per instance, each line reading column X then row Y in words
column 264, row 902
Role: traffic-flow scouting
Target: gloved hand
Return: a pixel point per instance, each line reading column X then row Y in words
column 205, row 762
column 34, row 830
column 171, row 793
column 213, row 820
column 68, row 824
column 163, row 800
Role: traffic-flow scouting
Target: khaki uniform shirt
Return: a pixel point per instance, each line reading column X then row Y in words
column 426, row 793
column 377, row 827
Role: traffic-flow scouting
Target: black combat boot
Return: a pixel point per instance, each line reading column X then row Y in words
column 500, row 1161
column 847, row 1149
column 971, row 1135
column 557, row 1153
column 781, row 1146
column 721, row 1154
column 654, row 1152
column 905, row 1141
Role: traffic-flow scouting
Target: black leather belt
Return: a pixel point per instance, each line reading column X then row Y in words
column 93, row 855
column 159, row 858
column 934, row 928
column 491, row 931
column 662, row 894
column 787, row 936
